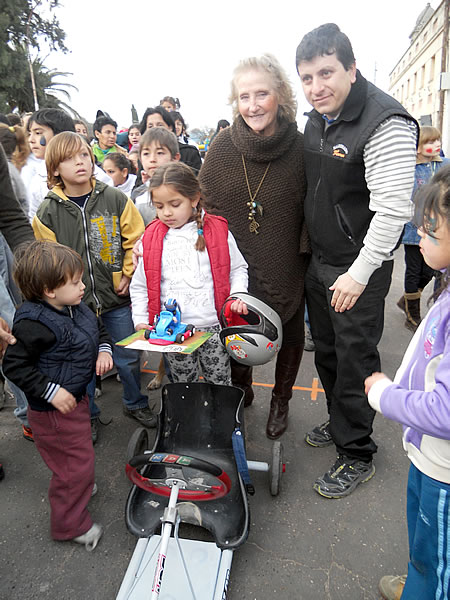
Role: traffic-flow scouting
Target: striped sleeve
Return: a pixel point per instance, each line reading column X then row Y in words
column 50, row 391
column 105, row 348
column 389, row 159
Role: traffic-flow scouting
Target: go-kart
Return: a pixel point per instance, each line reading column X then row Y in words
column 167, row 327
column 195, row 473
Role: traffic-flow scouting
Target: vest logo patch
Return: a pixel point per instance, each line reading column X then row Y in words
column 340, row 150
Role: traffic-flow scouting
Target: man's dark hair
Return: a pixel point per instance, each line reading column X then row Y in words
column 325, row 40
column 54, row 118
column 101, row 121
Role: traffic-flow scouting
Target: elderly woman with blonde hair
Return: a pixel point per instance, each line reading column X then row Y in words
column 253, row 175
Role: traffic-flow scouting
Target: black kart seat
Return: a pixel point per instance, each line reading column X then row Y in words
column 197, row 420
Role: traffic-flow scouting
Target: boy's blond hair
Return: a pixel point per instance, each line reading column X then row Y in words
column 161, row 136
column 428, row 134
column 61, row 147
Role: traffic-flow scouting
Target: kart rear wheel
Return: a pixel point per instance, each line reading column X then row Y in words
column 276, row 468
column 138, row 443
column 180, row 338
column 191, row 328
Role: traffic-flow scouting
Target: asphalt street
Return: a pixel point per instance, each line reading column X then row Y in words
column 300, row 546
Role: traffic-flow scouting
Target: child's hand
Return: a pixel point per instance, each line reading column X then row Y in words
column 64, row 401
column 6, row 336
column 373, row 379
column 144, row 176
column 122, row 288
column 238, row 306
column 104, row 363
column 137, row 252
column 140, row 326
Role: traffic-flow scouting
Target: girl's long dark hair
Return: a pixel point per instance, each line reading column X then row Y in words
column 183, row 179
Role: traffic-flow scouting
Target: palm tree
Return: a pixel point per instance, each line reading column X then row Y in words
column 17, row 91
column 49, row 85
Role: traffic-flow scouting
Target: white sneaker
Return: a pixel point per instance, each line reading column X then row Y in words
column 91, row 538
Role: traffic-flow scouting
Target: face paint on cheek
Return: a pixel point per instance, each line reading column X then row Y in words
column 429, row 150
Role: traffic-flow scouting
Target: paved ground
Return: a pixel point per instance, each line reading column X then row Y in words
column 301, row 546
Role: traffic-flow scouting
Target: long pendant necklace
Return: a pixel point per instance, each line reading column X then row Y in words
column 253, row 205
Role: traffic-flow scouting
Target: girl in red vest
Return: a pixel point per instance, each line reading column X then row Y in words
column 190, row 256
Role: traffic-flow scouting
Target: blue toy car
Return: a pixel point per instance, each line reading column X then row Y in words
column 168, row 328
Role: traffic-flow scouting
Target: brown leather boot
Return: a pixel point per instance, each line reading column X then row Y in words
column 412, row 310
column 288, row 362
column 242, row 377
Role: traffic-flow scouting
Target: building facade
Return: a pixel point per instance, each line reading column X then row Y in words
column 421, row 78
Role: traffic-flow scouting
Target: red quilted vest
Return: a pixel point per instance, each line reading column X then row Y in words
column 215, row 232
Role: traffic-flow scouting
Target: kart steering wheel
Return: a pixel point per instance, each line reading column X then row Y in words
column 161, row 488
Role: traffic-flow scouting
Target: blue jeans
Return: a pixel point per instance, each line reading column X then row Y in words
column 119, row 325
column 428, row 513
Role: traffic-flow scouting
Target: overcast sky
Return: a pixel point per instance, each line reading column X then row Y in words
column 138, row 51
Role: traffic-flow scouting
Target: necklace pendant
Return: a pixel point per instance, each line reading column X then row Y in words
column 254, row 226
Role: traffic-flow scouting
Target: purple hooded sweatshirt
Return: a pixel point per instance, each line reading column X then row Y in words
column 419, row 397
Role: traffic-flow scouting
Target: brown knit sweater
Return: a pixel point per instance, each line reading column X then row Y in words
column 278, row 255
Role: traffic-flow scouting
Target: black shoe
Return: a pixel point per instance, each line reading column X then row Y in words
column 94, row 430
column 143, row 415
column 343, row 477
column 320, row 436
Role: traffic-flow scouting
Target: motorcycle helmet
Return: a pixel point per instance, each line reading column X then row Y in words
column 251, row 339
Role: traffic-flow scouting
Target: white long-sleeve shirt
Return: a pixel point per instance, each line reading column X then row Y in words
column 186, row 276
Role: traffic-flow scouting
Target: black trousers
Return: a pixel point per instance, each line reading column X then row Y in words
column 417, row 273
column 346, row 353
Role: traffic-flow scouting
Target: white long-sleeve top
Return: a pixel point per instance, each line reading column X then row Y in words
column 390, row 162
column 127, row 185
column 186, row 276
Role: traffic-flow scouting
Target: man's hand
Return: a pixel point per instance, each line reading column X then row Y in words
column 64, row 401
column 104, row 363
column 122, row 288
column 140, row 326
column 368, row 383
column 6, row 336
column 346, row 292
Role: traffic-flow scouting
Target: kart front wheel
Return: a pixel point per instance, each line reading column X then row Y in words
column 190, row 328
column 180, row 338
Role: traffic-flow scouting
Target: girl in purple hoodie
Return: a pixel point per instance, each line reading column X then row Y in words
column 419, row 399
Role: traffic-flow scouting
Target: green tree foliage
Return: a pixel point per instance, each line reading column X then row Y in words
column 23, row 24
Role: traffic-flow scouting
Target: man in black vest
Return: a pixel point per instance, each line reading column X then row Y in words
column 360, row 152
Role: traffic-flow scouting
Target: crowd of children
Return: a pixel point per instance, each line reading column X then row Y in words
column 83, row 293
column 76, row 283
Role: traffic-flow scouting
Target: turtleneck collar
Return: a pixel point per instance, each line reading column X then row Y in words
column 259, row 148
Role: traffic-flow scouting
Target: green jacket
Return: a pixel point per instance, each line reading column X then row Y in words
column 103, row 232
column 100, row 154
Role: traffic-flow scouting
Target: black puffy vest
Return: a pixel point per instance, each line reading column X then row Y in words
column 71, row 360
column 337, row 202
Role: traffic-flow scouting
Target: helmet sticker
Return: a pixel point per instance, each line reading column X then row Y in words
column 238, row 351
